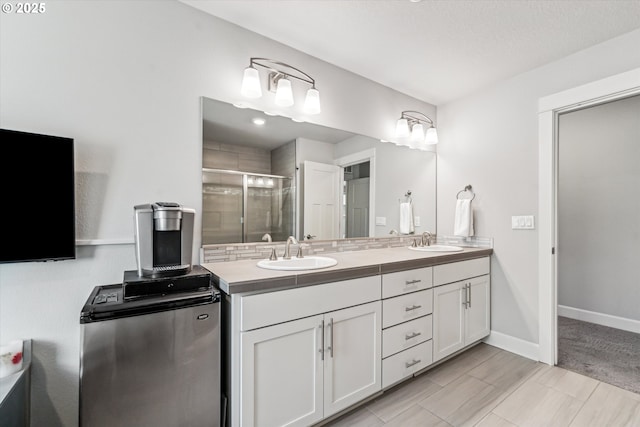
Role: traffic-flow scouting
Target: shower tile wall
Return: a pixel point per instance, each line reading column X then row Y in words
column 233, row 157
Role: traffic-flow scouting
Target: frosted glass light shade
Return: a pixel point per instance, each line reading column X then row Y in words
column 284, row 94
column 432, row 136
column 402, row 128
column 312, row 102
column 417, row 135
column 251, row 83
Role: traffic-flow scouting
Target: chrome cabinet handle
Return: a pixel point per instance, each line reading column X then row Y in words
column 466, row 296
column 412, row 282
column 412, row 363
column 413, row 307
column 469, row 287
column 412, row 335
column 321, row 327
column 330, row 348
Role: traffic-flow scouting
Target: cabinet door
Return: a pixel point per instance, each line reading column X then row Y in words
column 478, row 312
column 352, row 368
column 281, row 381
column 448, row 320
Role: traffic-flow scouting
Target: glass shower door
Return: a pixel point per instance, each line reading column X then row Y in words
column 269, row 208
column 239, row 207
column 222, row 206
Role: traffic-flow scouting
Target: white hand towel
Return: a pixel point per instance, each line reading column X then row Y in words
column 406, row 218
column 463, row 223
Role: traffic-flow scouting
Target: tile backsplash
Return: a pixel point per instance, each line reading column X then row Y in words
column 240, row 251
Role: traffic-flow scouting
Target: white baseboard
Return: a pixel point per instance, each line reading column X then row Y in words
column 514, row 345
column 600, row 318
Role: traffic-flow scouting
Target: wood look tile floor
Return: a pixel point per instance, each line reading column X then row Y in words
column 489, row 387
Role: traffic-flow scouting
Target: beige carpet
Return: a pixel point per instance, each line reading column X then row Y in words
column 606, row 354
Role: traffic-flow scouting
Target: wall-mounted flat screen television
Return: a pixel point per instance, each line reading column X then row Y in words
column 38, row 197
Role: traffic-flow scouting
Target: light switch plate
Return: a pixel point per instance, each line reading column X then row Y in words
column 381, row 220
column 416, row 221
column 523, row 222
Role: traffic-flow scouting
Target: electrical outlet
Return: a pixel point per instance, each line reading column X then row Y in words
column 416, row 221
column 381, row 220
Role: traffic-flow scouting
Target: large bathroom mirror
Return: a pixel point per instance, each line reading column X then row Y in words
column 267, row 176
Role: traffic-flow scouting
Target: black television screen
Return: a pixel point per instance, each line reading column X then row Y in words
column 38, row 195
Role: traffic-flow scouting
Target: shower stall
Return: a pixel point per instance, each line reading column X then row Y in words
column 241, row 207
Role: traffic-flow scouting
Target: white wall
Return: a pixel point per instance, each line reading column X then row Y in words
column 398, row 170
column 598, row 209
column 489, row 140
column 125, row 79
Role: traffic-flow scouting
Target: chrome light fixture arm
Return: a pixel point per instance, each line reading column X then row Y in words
column 415, row 117
column 271, row 65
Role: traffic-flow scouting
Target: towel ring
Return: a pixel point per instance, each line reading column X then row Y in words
column 469, row 189
column 407, row 196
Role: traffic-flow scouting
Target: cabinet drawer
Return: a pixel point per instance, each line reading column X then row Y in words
column 405, row 335
column 406, row 363
column 403, row 282
column 270, row 308
column 449, row 273
column 406, row 307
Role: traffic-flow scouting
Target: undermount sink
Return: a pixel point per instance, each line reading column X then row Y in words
column 306, row 263
column 436, row 248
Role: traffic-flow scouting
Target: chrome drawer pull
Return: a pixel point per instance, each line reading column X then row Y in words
column 413, row 335
column 413, row 307
column 411, row 282
column 412, row 363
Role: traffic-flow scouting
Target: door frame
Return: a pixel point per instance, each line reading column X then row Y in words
column 361, row 157
column 550, row 107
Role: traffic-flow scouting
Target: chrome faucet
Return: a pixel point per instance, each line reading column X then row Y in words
column 267, row 237
column 426, row 239
column 287, row 253
column 393, row 231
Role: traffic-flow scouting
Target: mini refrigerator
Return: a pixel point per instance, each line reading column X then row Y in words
column 151, row 360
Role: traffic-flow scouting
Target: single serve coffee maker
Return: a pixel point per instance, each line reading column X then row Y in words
column 164, row 238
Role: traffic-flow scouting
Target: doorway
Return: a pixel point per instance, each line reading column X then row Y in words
column 598, row 235
column 355, row 200
column 615, row 87
column 358, row 197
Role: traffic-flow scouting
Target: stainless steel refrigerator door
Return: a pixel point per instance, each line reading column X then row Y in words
column 159, row 369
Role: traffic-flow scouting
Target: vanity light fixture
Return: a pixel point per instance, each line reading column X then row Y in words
column 279, row 79
column 410, row 130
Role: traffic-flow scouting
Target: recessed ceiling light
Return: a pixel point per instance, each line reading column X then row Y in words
column 415, row 1
column 258, row 121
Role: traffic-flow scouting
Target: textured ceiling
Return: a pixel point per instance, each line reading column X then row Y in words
column 433, row 50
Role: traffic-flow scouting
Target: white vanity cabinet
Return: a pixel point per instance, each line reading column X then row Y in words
column 461, row 305
column 407, row 324
column 296, row 355
column 296, row 372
